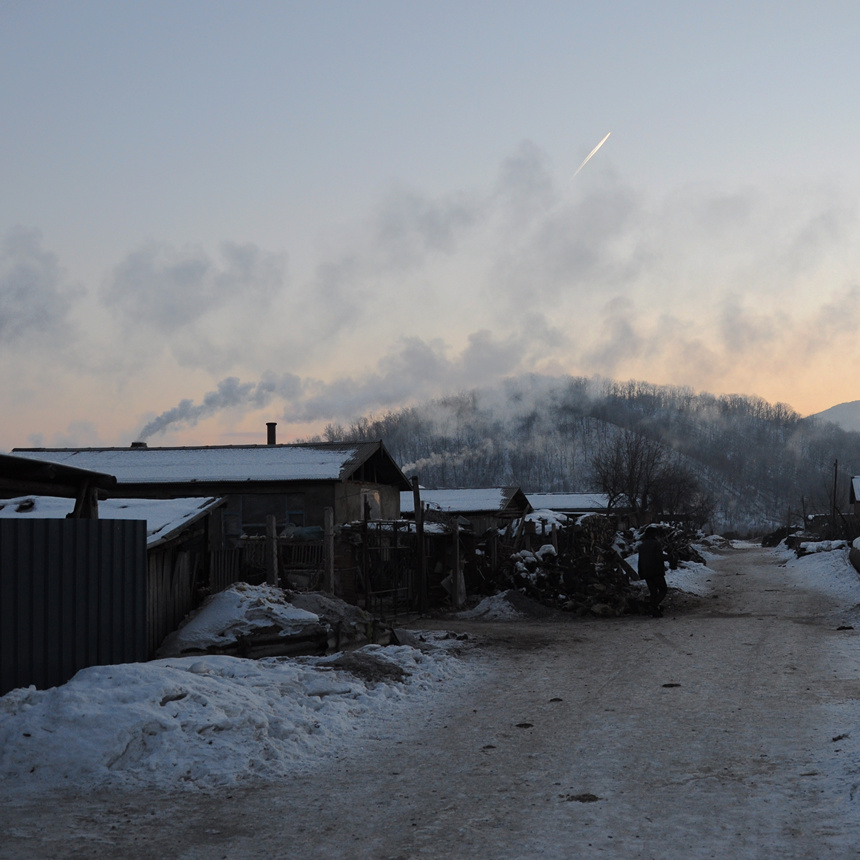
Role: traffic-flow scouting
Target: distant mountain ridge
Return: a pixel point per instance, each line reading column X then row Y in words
column 763, row 464
column 844, row 415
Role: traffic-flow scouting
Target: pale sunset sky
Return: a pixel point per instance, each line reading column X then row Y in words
column 217, row 214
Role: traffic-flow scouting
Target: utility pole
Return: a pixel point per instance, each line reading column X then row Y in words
column 833, row 500
column 419, row 549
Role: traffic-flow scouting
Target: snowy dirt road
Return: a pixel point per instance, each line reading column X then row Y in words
column 728, row 728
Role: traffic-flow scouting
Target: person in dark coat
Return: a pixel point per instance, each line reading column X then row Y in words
column 652, row 568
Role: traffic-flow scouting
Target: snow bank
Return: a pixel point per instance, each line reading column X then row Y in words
column 691, row 576
column 207, row 721
column 829, row 573
column 823, row 545
column 494, row 608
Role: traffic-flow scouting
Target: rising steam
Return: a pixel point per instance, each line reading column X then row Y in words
column 229, row 394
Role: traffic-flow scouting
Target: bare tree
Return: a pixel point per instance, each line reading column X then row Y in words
column 628, row 468
column 640, row 473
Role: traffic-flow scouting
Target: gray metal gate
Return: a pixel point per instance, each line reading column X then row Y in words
column 72, row 594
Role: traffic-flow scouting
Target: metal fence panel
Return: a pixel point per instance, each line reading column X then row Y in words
column 72, row 594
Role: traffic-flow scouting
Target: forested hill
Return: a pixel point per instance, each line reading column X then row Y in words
column 760, row 462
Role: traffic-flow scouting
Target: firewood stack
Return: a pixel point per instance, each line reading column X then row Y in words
column 586, row 575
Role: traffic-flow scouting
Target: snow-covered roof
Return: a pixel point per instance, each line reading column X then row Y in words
column 34, row 475
column 216, row 464
column 569, row 501
column 164, row 517
column 465, row 501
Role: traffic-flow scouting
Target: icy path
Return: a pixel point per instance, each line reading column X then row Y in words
column 726, row 731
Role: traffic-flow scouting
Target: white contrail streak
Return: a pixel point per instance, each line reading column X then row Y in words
column 588, row 157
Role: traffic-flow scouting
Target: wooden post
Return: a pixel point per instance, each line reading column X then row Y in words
column 519, row 532
column 86, row 502
column 271, row 550
column 459, row 590
column 328, row 550
column 833, row 505
column 365, row 565
column 419, row 540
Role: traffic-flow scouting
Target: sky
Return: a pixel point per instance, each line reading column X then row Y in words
column 219, row 214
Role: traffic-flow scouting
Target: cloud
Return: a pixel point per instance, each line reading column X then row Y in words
column 34, row 301
column 409, row 226
column 595, row 277
column 170, row 288
column 570, row 247
column 525, row 188
column 207, row 312
column 430, row 293
column 618, row 342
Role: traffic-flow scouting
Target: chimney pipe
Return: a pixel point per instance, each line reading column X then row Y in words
column 270, row 436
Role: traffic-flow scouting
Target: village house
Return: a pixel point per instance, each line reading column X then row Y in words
column 295, row 483
column 578, row 504
column 479, row 509
column 572, row 504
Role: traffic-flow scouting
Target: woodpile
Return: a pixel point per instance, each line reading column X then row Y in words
column 583, row 570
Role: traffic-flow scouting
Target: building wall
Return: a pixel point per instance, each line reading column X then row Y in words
column 383, row 501
column 303, row 505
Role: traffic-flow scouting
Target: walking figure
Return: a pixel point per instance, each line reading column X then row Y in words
column 652, row 568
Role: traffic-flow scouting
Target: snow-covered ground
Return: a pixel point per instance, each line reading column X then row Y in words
column 691, row 577
column 828, row 572
column 212, row 720
column 215, row 720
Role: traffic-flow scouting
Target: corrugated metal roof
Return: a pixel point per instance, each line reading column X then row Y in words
column 164, row 517
column 462, row 501
column 221, row 464
column 568, row 501
column 26, row 474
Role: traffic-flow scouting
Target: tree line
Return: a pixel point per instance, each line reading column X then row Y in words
column 746, row 463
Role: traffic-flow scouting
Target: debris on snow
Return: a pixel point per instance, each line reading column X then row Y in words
column 266, row 621
column 248, row 621
column 349, row 625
